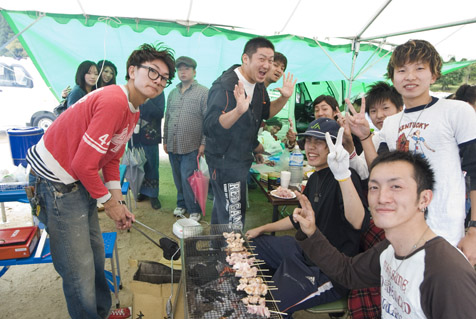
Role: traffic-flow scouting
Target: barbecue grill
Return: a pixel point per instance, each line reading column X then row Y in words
column 209, row 283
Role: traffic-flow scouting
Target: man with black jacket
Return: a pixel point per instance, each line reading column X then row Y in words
column 237, row 104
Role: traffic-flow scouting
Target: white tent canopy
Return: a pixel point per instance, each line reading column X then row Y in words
column 329, row 21
column 323, row 40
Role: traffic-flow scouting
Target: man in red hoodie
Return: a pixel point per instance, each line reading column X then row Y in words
column 88, row 137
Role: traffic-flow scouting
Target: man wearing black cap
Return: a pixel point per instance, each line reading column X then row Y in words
column 339, row 218
column 183, row 133
column 237, row 104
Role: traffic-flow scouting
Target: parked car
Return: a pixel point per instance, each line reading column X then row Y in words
column 25, row 100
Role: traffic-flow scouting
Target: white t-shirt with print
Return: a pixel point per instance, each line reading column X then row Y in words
column 435, row 133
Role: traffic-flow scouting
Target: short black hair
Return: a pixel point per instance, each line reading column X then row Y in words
column 82, row 70
column 150, row 52
column 279, row 57
column 329, row 100
column 380, row 92
column 466, row 93
column 254, row 44
column 422, row 171
column 274, row 121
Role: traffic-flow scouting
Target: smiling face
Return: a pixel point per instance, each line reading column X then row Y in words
column 412, row 81
column 91, row 77
column 107, row 75
column 255, row 67
column 316, row 152
column 323, row 110
column 378, row 112
column 393, row 197
column 275, row 72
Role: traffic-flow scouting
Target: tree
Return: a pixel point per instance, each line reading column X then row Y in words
column 13, row 49
column 452, row 78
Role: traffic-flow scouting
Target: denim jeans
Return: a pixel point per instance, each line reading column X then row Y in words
column 77, row 249
column 183, row 166
column 150, row 185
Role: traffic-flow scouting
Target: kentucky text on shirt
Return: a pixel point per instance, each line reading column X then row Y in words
column 413, row 125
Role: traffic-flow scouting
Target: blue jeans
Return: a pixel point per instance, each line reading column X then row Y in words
column 77, row 249
column 150, row 185
column 183, row 166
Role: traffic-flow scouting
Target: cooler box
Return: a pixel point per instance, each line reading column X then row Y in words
column 21, row 139
column 19, row 242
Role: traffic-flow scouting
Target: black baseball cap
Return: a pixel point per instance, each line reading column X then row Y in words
column 319, row 127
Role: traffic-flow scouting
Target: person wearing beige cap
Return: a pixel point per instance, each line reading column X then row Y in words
column 183, row 133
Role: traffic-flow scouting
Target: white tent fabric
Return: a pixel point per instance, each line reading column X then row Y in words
column 328, row 21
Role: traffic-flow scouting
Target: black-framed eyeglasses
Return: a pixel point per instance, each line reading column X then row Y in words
column 154, row 75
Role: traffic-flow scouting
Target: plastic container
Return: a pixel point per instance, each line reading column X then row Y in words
column 296, row 162
column 21, row 139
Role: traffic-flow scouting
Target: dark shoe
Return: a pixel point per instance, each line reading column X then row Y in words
column 141, row 197
column 155, row 203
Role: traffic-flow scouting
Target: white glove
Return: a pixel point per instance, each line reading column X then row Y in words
column 338, row 157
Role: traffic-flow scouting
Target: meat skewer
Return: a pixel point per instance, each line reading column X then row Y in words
column 242, row 262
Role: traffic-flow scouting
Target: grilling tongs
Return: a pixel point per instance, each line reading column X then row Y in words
column 168, row 245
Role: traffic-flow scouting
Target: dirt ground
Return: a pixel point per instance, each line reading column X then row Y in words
column 35, row 291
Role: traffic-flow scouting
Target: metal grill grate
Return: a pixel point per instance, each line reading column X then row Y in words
column 210, row 284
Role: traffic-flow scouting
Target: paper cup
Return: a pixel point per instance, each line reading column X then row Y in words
column 285, row 178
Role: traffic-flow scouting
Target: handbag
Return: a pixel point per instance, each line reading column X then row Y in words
column 60, row 108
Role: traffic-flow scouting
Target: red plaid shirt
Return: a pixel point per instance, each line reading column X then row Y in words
column 365, row 303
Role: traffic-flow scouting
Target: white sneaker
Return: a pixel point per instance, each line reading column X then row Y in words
column 179, row 211
column 196, row 216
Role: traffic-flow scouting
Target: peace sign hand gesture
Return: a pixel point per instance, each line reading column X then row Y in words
column 357, row 121
column 338, row 157
column 305, row 215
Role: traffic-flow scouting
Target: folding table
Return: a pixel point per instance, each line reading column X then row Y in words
column 110, row 247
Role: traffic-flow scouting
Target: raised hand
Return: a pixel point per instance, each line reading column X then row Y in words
column 242, row 101
column 357, row 122
column 338, row 157
column 288, row 85
column 305, row 215
column 347, row 141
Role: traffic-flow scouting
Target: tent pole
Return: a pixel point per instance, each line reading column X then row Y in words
column 355, row 49
column 378, row 50
column 356, row 46
column 330, row 58
column 41, row 15
column 435, row 27
column 292, row 14
column 373, row 19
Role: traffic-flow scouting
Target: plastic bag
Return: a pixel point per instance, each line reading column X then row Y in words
column 204, row 167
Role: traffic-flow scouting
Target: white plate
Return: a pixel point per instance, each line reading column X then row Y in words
column 273, row 193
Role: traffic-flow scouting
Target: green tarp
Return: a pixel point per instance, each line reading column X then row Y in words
column 57, row 43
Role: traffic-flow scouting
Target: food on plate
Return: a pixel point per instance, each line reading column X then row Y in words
column 283, row 193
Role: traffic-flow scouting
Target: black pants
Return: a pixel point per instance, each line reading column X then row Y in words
column 229, row 190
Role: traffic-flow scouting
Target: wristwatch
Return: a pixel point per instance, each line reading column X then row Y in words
column 472, row 223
